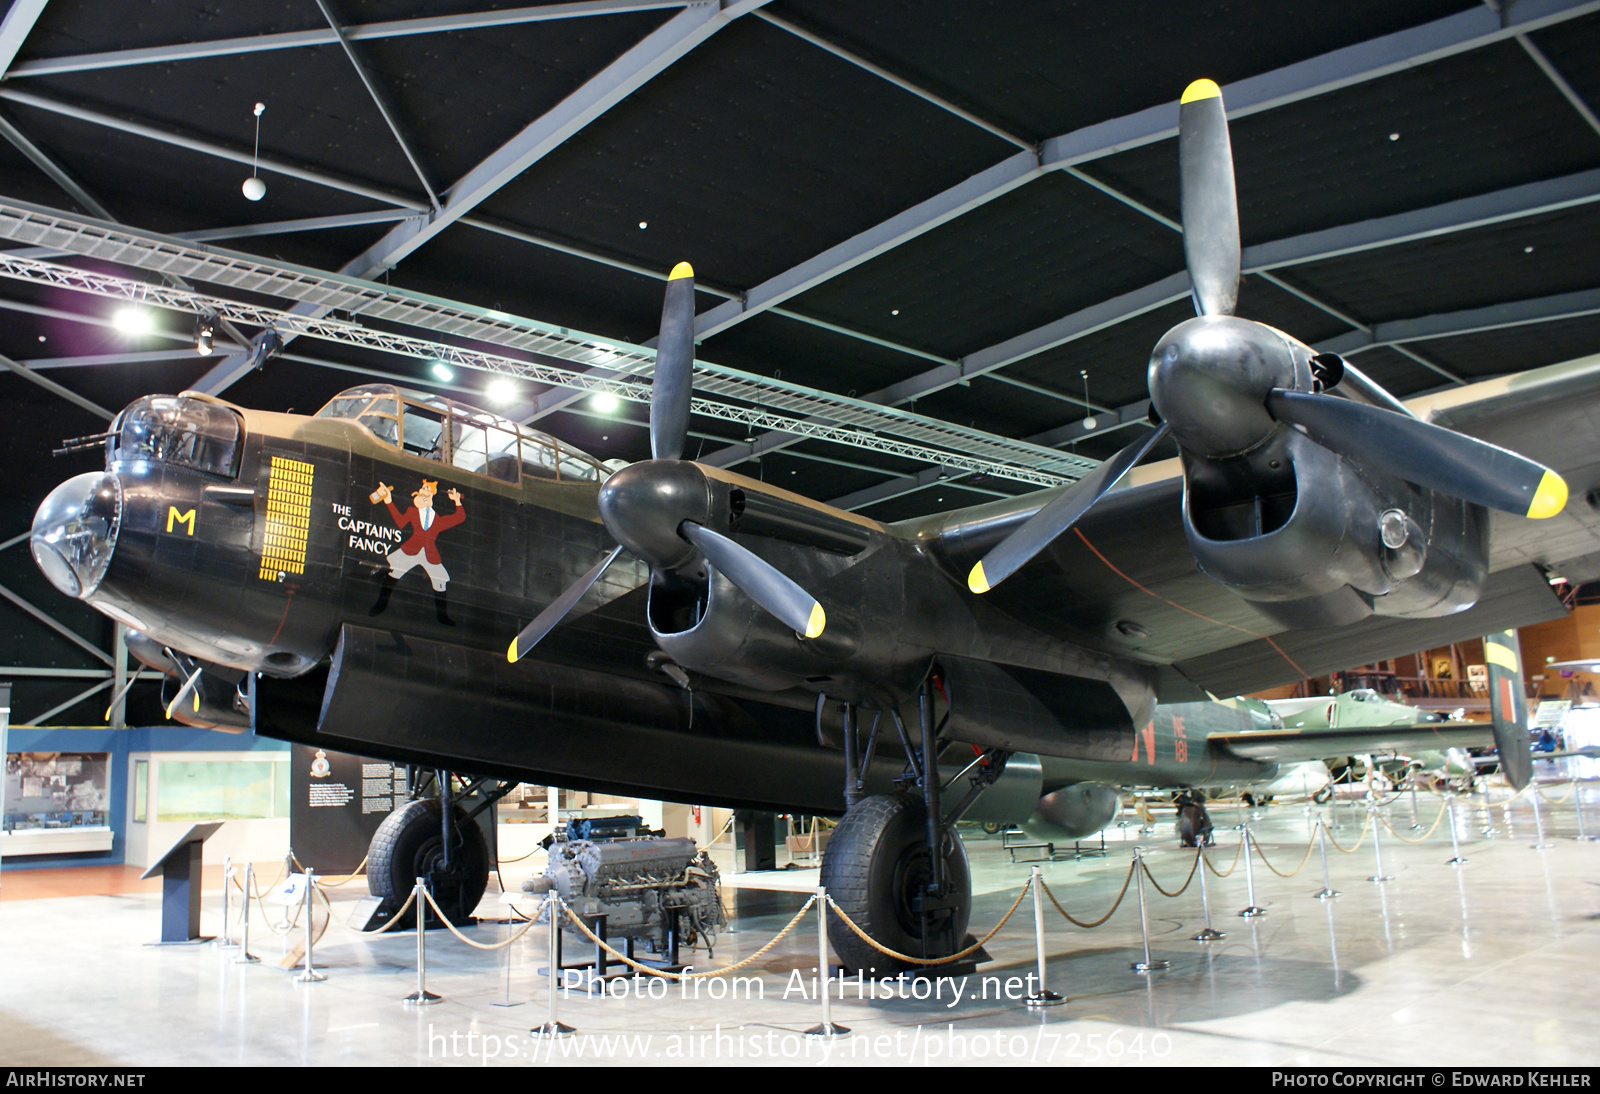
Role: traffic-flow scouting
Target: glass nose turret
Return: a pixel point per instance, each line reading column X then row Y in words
column 75, row 531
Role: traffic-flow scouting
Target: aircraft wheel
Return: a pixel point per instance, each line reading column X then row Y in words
column 875, row 865
column 409, row 845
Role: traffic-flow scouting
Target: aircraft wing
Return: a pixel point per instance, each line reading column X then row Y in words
column 1124, row 580
column 1286, row 746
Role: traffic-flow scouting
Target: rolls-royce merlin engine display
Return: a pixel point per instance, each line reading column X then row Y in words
column 661, row 893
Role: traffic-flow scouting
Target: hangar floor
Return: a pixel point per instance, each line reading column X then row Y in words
column 1490, row 964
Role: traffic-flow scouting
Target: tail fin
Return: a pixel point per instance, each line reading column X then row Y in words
column 1508, row 707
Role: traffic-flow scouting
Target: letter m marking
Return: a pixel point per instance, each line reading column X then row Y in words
column 185, row 519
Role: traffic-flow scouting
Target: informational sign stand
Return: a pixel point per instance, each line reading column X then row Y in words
column 180, row 887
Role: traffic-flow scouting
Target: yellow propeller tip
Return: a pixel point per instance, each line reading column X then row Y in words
column 1200, row 89
column 1550, row 498
column 511, row 652
column 976, row 581
column 682, row 269
column 817, row 621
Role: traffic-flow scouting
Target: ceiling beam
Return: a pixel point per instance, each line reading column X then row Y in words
column 1544, row 309
column 672, row 40
column 1483, row 210
column 208, row 148
column 15, row 28
column 301, row 39
column 1553, row 74
column 130, row 357
column 51, row 386
column 903, row 84
column 676, row 37
column 1393, row 334
column 1475, row 212
column 56, row 625
column 55, row 171
column 1355, row 64
column 1341, row 68
column 379, row 100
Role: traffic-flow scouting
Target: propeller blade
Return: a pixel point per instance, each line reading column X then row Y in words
column 1429, row 455
column 1037, row 533
column 759, row 580
column 673, row 385
column 1210, row 208
column 1369, row 389
column 546, row 620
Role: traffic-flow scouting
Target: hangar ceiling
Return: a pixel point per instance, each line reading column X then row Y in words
column 958, row 211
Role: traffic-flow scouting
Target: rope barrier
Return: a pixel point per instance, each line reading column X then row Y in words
column 665, row 975
column 451, row 927
column 1080, row 923
column 1357, row 845
column 926, row 961
column 289, row 920
column 359, row 871
column 1572, row 785
column 727, row 824
column 1419, row 839
column 1310, row 847
column 1193, row 866
column 1232, row 866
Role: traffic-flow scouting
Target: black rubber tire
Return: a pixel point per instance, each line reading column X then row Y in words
column 874, row 863
column 408, row 845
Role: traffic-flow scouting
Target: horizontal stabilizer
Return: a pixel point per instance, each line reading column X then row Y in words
column 1299, row 745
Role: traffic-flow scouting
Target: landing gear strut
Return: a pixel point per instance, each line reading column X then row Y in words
column 880, row 865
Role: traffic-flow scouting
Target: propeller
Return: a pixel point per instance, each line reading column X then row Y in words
column 1210, row 214
column 1425, row 454
column 1222, row 385
column 658, row 510
column 1037, row 533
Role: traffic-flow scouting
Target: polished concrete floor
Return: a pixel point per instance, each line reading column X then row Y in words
column 1492, row 963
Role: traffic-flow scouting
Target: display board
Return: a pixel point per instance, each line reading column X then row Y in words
column 337, row 801
column 49, row 793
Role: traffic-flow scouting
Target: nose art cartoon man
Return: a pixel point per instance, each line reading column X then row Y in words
column 419, row 548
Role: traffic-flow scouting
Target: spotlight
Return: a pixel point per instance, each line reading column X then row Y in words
column 604, row 402
column 205, row 333
column 132, row 320
column 501, row 391
column 441, row 372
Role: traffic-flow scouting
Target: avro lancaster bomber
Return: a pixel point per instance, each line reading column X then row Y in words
column 407, row 576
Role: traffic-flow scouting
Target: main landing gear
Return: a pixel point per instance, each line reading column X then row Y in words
column 880, row 865
column 437, row 839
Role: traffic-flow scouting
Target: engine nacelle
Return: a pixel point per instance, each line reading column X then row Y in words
column 1073, row 812
column 1313, row 540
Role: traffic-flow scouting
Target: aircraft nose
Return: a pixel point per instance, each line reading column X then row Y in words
column 75, row 531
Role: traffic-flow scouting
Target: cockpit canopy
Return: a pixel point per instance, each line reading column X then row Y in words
column 475, row 441
column 178, row 430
